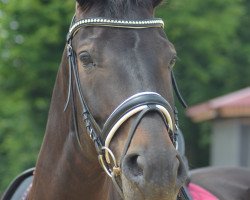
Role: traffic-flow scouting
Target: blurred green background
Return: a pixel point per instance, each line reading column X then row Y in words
column 212, row 39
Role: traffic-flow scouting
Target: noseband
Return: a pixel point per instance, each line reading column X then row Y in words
column 137, row 105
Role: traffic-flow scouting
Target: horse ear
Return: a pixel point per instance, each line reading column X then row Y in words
column 156, row 2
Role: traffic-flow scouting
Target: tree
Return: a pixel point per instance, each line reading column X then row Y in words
column 206, row 36
column 32, row 38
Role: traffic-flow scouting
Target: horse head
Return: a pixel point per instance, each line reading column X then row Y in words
column 120, row 104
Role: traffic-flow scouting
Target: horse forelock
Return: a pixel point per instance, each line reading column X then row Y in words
column 116, row 8
column 131, row 3
column 122, row 2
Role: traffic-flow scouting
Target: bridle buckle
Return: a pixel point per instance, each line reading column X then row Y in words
column 110, row 171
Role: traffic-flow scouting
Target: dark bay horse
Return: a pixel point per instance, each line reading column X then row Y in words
column 116, row 79
column 116, row 75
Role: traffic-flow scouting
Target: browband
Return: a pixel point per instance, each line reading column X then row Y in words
column 115, row 23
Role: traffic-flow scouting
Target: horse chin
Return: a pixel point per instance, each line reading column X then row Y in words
column 131, row 191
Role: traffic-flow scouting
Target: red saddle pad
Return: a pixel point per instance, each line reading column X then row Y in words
column 199, row 193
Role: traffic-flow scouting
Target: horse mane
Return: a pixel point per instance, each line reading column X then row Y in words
column 115, row 7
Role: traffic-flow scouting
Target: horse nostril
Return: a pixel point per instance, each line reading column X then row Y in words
column 134, row 163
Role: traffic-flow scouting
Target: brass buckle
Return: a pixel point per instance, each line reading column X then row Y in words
column 116, row 170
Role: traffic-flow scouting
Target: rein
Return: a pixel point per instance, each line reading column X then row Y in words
column 140, row 104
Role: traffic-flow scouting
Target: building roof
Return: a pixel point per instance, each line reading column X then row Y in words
column 232, row 105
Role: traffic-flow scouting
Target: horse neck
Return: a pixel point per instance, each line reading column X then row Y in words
column 63, row 169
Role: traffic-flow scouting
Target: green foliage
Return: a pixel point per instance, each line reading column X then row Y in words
column 211, row 38
column 32, row 38
column 212, row 42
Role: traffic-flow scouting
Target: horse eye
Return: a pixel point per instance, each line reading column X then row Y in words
column 85, row 58
column 172, row 62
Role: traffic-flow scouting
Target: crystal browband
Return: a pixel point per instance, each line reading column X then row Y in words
column 134, row 24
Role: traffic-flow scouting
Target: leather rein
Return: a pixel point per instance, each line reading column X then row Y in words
column 139, row 104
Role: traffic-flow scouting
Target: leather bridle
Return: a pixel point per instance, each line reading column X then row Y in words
column 139, row 104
